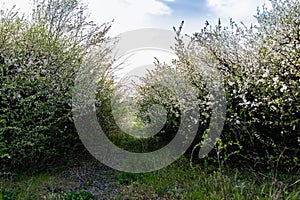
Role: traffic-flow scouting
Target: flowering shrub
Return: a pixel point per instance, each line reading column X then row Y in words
column 38, row 62
column 261, row 68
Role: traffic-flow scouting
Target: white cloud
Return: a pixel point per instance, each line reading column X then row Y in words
column 238, row 10
column 24, row 6
column 128, row 14
column 135, row 14
column 149, row 7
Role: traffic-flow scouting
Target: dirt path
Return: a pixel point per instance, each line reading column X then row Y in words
column 90, row 176
column 99, row 180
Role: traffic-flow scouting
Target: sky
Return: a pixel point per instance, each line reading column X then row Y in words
column 135, row 14
column 164, row 14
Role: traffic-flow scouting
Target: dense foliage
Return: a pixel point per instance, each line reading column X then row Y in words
column 261, row 70
column 39, row 58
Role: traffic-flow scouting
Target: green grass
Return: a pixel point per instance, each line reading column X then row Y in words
column 203, row 181
column 135, row 144
column 38, row 186
column 25, row 186
column 179, row 181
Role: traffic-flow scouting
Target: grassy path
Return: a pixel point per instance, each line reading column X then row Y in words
column 88, row 179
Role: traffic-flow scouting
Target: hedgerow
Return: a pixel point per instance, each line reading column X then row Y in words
column 261, row 69
column 39, row 58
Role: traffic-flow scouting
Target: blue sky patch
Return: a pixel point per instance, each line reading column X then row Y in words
column 188, row 7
